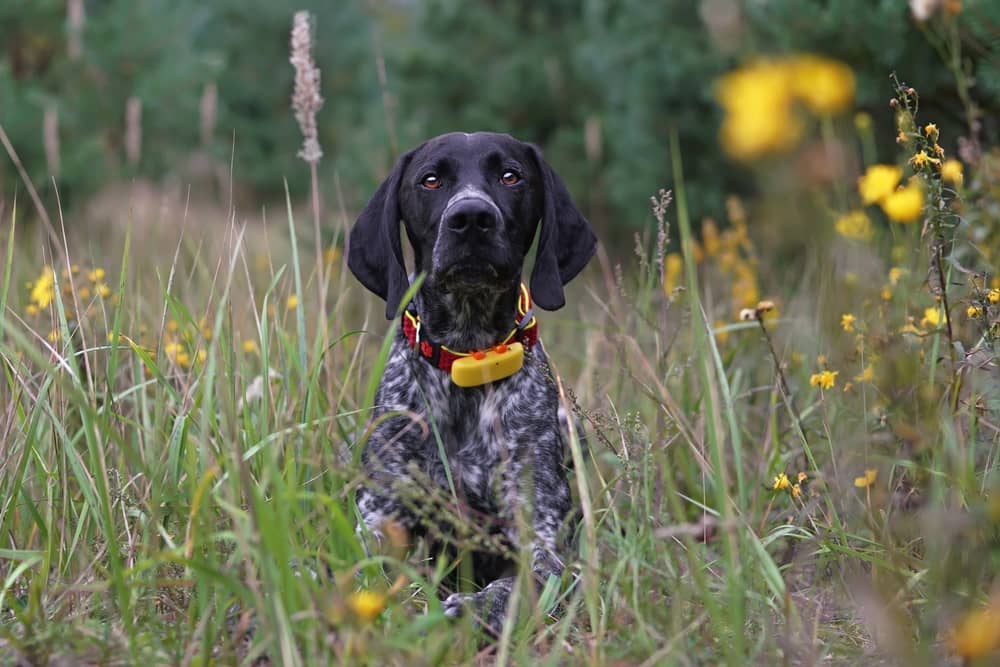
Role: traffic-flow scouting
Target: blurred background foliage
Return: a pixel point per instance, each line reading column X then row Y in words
column 597, row 83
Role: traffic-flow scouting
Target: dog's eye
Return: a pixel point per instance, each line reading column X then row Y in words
column 431, row 181
column 510, row 177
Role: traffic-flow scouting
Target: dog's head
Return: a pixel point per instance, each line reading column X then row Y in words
column 471, row 204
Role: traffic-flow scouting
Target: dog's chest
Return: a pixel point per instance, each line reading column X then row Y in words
column 478, row 434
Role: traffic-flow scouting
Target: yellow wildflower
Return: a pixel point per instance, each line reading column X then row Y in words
column 847, row 321
column 821, row 360
column 366, row 605
column 895, row 273
column 710, row 237
column 43, row 290
column 886, row 293
column 31, row 309
column 951, row 172
column 854, row 225
column 867, row 374
column 802, row 477
column 905, row 205
column 796, row 490
column 825, row 86
column 293, row 302
column 930, row 129
column 922, row 159
column 54, row 336
column 759, row 119
column 878, row 182
column 871, row 474
column 974, row 312
column 932, row 317
column 250, row 346
column 103, row 290
column 823, row 379
column 781, row 482
column 673, row 265
column 993, row 296
column 721, row 336
column 977, row 634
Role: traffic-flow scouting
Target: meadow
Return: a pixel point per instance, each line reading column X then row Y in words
column 791, row 419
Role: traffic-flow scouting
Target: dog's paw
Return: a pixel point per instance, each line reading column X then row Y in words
column 455, row 603
column 489, row 605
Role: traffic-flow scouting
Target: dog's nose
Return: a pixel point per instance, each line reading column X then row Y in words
column 472, row 216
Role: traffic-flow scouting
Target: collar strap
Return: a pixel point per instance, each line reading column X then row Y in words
column 525, row 331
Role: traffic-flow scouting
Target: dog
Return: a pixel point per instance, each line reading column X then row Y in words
column 488, row 434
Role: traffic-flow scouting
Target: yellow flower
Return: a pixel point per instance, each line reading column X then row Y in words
column 331, row 254
column 977, row 634
column 823, row 379
column 932, row 317
column 96, row 276
column 854, row 225
column 825, row 86
column 821, row 360
column 871, row 474
column 366, row 605
column 781, row 482
column 293, row 302
column 895, row 273
column 103, row 290
column 802, row 477
column 250, row 346
column 974, row 311
column 31, row 309
column 673, row 265
column 43, row 290
column 796, row 490
column 922, row 159
column 721, row 336
column 867, row 374
column 878, row 182
column 83, row 292
column 886, row 293
column 993, row 296
column 930, row 129
column 759, row 119
column 906, row 204
column 951, row 172
column 847, row 321
column 54, row 336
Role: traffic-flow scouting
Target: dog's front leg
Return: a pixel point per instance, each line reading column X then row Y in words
column 542, row 490
column 393, row 447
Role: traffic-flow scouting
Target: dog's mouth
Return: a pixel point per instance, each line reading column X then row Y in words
column 468, row 271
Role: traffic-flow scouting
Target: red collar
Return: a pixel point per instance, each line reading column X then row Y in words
column 525, row 331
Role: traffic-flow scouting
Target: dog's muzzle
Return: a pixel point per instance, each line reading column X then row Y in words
column 471, row 213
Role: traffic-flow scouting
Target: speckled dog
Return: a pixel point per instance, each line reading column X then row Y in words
column 471, row 205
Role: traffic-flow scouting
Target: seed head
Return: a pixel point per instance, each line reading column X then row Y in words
column 306, row 100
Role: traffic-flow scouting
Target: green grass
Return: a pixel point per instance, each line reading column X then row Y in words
column 168, row 448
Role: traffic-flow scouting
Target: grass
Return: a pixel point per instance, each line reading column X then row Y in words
column 179, row 423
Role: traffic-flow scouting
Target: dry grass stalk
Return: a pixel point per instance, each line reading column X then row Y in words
column 133, row 130
column 50, row 139
column 75, row 17
column 208, row 111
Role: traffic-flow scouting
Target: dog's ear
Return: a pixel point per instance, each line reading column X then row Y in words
column 565, row 244
column 374, row 248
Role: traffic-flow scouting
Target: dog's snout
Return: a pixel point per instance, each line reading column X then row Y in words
column 472, row 216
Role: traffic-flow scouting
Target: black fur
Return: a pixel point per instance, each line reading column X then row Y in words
column 471, row 206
